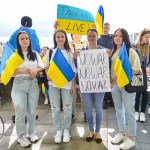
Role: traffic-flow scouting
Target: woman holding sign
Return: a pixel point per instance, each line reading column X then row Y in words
column 92, row 37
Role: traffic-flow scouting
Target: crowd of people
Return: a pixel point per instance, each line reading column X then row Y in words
column 25, row 89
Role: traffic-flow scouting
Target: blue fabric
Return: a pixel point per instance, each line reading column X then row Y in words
column 25, row 95
column 124, row 105
column 55, row 95
column 32, row 34
column 98, row 99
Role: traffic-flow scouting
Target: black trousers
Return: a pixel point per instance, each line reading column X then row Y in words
column 108, row 96
column 143, row 102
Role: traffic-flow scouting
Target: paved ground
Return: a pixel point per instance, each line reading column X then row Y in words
column 79, row 130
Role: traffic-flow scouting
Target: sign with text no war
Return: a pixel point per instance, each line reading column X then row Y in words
column 93, row 71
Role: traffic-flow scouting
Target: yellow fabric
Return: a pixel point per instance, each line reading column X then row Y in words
column 54, row 74
column 99, row 23
column 12, row 63
column 122, row 79
column 74, row 26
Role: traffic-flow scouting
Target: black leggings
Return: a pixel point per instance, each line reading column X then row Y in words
column 144, row 101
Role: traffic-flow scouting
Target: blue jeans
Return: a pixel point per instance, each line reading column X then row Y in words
column 67, row 98
column 25, row 95
column 98, row 99
column 124, row 104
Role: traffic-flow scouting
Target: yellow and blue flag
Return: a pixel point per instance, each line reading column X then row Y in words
column 74, row 20
column 99, row 19
column 122, row 67
column 10, row 61
column 60, row 71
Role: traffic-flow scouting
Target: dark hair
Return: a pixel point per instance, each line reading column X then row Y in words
column 26, row 21
column 31, row 55
column 66, row 44
column 92, row 29
column 71, row 36
column 125, row 39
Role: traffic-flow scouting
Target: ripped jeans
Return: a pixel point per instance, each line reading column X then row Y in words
column 67, row 98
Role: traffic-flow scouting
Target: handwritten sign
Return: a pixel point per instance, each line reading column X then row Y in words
column 74, row 20
column 93, row 71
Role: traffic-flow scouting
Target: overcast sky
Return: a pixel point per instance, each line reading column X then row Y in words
column 132, row 15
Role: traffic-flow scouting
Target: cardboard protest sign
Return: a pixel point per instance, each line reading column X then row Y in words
column 93, row 71
column 74, row 20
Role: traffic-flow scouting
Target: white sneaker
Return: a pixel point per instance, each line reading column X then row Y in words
column 46, row 101
column 127, row 144
column 24, row 142
column 142, row 117
column 66, row 136
column 118, row 138
column 137, row 116
column 148, row 110
column 33, row 137
column 58, row 136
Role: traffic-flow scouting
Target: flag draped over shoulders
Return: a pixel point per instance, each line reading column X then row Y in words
column 33, row 37
column 60, row 71
column 10, row 61
column 99, row 19
column 122, row 67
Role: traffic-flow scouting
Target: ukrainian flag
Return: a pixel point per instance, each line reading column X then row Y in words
column 10, row 61
column 99, row 19
column 122, row 67
column 60, row 71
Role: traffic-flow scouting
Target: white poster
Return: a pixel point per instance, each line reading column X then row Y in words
column 93, row 71
column 148, row 82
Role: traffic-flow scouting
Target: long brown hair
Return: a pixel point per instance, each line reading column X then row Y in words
column 143, row 48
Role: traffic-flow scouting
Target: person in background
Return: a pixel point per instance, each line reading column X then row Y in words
column 25, row 90
column 143, row 46
column 1, row 51
column 76, row 44
column 106, row 40
column 26, row 24
column 65, row 93
column 44, row 90
column 123, row 101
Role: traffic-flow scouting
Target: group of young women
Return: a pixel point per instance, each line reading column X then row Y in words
column 25, row 91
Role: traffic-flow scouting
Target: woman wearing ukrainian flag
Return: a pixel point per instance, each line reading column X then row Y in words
column 123, row 101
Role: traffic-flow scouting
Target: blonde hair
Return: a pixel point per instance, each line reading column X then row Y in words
column 143, row 48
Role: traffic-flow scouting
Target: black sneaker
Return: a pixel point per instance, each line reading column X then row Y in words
column 106, row 104
column 85, row 120
column 111, row 103
column 13, row 118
